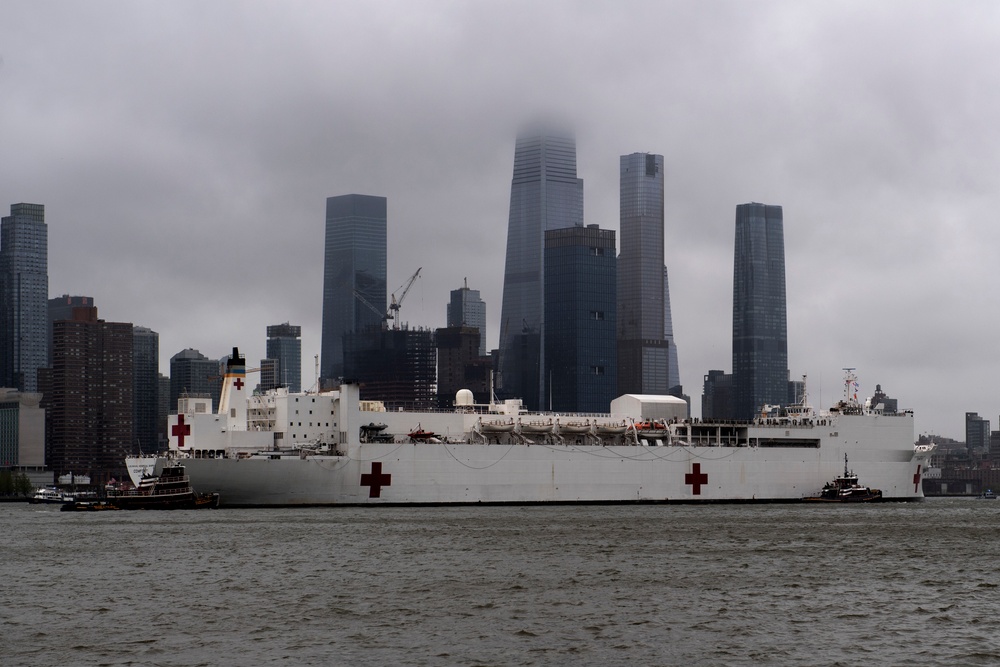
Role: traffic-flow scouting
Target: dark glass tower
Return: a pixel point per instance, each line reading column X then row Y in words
column 24, row 294
column 284, row 345
column 145, row 389
column 760, row 336
column 354, row 272
column 544, row 194
column 192, row 373
column 580, row 307
column 644, row 322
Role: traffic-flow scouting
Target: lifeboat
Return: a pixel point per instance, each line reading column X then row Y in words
column 496, row 427
column 537, row 427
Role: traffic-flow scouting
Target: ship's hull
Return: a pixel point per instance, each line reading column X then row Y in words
column 437, row 473
column 643, row 450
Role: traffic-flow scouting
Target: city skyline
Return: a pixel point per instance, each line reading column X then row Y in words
column 186, row 193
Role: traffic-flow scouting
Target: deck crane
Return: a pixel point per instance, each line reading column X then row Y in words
column 393, row 312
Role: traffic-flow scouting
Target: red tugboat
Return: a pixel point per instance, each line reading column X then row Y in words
column 171, row 490
column 846, row 489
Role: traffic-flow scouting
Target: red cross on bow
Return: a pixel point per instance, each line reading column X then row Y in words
column 376, row 480
column 238, row 383
column 180, row 429
column 696, row 478
column 916, row 479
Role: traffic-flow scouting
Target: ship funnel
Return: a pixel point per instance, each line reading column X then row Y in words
column 233, row 402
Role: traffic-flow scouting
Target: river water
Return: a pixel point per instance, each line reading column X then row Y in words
column 882, row 584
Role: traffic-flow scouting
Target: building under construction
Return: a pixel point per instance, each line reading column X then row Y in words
column 395, row 366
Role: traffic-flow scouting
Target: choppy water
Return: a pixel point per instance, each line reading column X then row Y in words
column 652, row 585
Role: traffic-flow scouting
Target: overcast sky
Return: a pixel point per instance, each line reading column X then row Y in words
column 184, row 152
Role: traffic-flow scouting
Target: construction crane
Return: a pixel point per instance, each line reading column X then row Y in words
column 393, row 312
column 360, row 297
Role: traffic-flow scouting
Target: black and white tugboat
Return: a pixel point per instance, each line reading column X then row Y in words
column 846, row 489
column 170, row 490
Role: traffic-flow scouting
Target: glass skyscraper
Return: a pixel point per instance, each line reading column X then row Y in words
column 644, row 322
column 354, row 274
column 24, row 294
column 145, row 389
column 284, row 345
column 580, row 307
column 760, row 335
column 544, row 194
column 466, row 309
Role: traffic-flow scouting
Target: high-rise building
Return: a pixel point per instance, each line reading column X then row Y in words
column 162, row 409
column 466, row 309
column 145, row 389
column 284, row 345
column 977, row 434
column 269, row 374
column 645, row 327
column 460, row 365
column 22, row 429
column 61, row 308
column 717, row 395
column 89, row 399
column 194, row 374
column 24, row 293
column 674, row 387
column 760, row 336
column 395, row 366
column 544, row 194
column 580, row 316
column 354, row 274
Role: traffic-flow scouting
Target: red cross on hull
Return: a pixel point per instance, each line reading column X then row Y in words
column 375, row 480
column 696, row 478
column 916, row 479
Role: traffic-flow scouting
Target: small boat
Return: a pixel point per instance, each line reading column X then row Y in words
column 373, row 432
column 48, row 495
column 651, row 430
column 535, row 427
column 573, row 428
column 496, row 427
column 170, row 490
column 88, row 506
column 846, row 489
column 988, row 494
column 420, row 435
column 610, row 429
